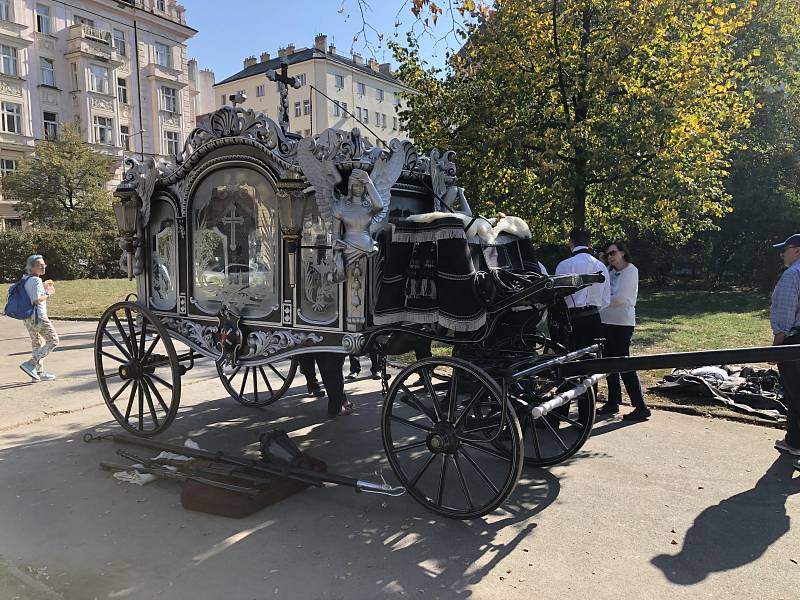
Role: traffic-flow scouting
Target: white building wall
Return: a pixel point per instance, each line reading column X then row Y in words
column 70, row 42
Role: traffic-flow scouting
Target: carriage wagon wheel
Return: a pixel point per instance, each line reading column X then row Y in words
column 137, row 369
column 554, row 438
column 440, row 447
column 260, row 385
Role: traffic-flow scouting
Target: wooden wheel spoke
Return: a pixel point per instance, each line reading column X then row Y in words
column 469, row 405
column 112, row 357
column 235, row 371
column 266, row 380
column 412, row 482
column 554, row 432
column 255, row 385
column 132, row 329
column 463, row 482
column 566, row 419
column 122, row 333
column 478, row 470
column 452, row 397
column 426, row 378
column 410, row 399
column 536, row 446
column 141, row 337
column 141, row 407
column 442, row 477
column 151, row 347
column 409, row 446
column 477, row 446
column 481, row 428
column 130, row 401
column 158, row 395
column 278, row 373
column 159, row 380
column 150, row 405
column 120, row 390
column 244, row 382
column 125, row 353
column 410, row 423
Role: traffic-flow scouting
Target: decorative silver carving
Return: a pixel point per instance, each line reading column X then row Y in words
column 356, row 315
column 202, row 335
column 182, row 303
column 266, row 343
column 10, row 89
column 353, row 343
column 230, row 121
column 287, row 312
column 367, row 200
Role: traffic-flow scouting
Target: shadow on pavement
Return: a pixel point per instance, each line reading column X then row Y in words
column 356, row 545
column 736, row 531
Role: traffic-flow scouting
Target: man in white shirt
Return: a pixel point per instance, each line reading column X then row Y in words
column 584, row 305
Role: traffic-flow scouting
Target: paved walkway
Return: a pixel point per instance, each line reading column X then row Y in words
column 679, row 507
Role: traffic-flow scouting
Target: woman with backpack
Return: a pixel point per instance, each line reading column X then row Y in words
column 44, row 338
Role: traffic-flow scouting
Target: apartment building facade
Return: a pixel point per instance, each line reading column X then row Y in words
column 118, row 68
column 366, row 90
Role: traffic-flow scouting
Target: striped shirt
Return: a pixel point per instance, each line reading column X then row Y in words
column 784, row 314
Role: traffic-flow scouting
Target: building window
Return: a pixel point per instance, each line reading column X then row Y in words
column 359, row 113
column 297, row 111
column 222, row 98
column 11, row 117
column 8, row 60
column 119, row 42
column 379, row 94
column 7, row 166
column 394, row 123
column 13, row 223
column 383, row 120
column 50, row 120
column 122, row 90
column 98, row 79
column 338, row 81
column 169, row 99
column 163, row 55
column 161, row 5
column 396, row 99
column 47, row 72
column 366, row 117
column 5, row 10
column 361, row 88
column 306, row 107
column 336, row 110
column 125, row 137
column 75, row 76
column 102, row 130
column 259, row 90
column 42, row 18
column 84, row 21
column 301, row 79
column 344, row 107
column 170, row 143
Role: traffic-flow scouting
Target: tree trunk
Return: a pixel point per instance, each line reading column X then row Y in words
column 579, row 190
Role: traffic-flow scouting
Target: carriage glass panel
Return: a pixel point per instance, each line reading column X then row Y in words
column 163, row 256
column 236, row 239
column 318, row 297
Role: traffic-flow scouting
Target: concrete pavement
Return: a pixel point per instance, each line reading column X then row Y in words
column 679, row 507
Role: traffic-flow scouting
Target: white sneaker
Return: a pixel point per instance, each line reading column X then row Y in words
column 784, row 447
column 30, row 371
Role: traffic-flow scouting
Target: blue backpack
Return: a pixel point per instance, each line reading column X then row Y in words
column 19, row 305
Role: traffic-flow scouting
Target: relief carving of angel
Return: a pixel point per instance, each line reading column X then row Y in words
column 366, row 202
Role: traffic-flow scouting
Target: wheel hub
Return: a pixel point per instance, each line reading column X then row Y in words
column 131, row 370
column 443, row 439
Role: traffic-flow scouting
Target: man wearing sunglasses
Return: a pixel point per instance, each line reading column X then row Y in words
column 784, row 318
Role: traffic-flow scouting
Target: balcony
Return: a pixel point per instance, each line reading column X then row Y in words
column 173, row 76
column 92, row 43
column 11, row 33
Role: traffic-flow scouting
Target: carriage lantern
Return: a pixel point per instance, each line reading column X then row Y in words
column 292, row 208
column 126, row 213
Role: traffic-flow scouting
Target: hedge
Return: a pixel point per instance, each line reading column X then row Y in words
column 69, row 254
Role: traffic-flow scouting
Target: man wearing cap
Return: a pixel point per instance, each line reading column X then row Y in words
column 784, row 317
column 584, row 305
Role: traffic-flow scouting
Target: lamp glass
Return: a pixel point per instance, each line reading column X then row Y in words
column 125, row 214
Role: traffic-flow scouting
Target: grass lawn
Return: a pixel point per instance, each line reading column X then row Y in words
column 83, row 297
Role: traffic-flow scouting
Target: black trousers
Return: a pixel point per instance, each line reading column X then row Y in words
column 355, row 363
column 330, row 368
column 586, row 328
column 618, row 343
column 790, row 378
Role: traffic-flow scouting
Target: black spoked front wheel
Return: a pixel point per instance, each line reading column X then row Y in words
column 440, row 420
column 258, row 386
column 137, row 369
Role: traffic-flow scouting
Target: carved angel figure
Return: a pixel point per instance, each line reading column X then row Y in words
column 366, row 201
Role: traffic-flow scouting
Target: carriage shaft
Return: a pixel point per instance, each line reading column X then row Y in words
column 677, row 360
column 542, row 409
column 553, row 362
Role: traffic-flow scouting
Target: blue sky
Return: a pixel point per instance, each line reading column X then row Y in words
column 231, row 30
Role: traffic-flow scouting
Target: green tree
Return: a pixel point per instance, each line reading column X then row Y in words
column 617, row 114
column 64, row 184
